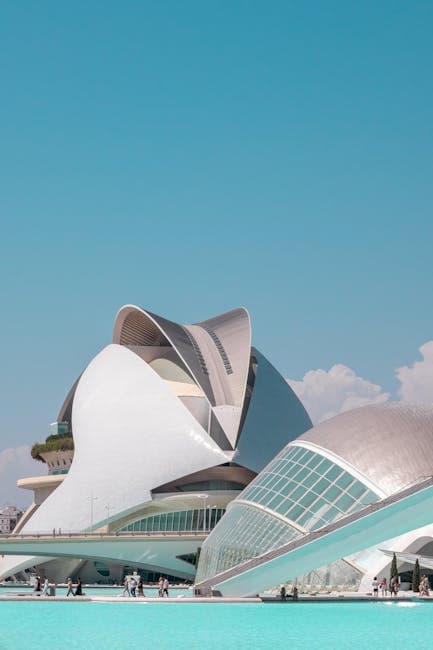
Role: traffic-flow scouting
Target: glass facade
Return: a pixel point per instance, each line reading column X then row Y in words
column 338, row 576
column 244, row 532
column 302, row 487
column 178, row 521
column 307, row 488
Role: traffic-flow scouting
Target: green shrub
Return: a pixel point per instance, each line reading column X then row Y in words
column 394, row 571
column 61, row 442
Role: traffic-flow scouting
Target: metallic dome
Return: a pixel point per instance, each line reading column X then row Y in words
column 392, row 444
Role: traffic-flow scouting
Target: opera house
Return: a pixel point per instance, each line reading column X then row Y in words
column 161, row 431
column 181, row 450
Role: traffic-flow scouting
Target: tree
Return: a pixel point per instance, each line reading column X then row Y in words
column 394, row 571
column 415, row 576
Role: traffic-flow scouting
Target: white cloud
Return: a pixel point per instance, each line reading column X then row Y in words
column 327, row 393
column 17, row 463
column 416, row 381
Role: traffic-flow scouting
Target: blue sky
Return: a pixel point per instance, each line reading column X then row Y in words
column 191, row 157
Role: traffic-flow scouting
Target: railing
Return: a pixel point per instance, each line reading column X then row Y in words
column 251, row 563
column 97, row 535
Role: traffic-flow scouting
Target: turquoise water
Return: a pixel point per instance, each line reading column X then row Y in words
column 129, row 626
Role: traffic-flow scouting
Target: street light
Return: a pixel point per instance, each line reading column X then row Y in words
column 92, row 499
column 107, row 508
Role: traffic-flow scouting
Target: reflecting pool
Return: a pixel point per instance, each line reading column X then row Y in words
column 127, row 626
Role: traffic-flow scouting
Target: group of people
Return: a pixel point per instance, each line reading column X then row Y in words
column 41, row 588
column 294, row 595
column 78, row 589
column 383, row 587
column 133, row 586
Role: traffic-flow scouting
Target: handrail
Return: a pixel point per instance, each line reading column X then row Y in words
column 246, row 565
column 97, row 535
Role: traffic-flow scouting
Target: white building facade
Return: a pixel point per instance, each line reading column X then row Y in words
column 170, row 422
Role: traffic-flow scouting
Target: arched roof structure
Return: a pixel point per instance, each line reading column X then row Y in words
column 391, row 444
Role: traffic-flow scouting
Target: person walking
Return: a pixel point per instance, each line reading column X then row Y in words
column 126, row 587
column 70, row 588
column 79, row 588
column 140, row 591
column 160, row 586
column 165, row 587
column 375, row 585
column 37, row 587
column 133, row 586
column 383, row 587
column 45, row 587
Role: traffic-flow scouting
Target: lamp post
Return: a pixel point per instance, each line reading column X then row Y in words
column 107, row 508
column 92, row 499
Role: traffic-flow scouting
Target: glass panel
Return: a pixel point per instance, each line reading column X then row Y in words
column 321, row 486
column 314, row 461
column 333, row 473
column 275, row 502
column 344, row 502
column 311, row 480
column 344, row 480
column 323, row 466
column 298, row 493
column 301, row 474
column 294, row 512
column 332, row 493
column 356, row 490
column 307, row 499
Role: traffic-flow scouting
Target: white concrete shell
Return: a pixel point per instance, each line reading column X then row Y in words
column 162, row 402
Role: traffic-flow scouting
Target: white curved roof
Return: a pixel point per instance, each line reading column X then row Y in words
column 216, row 352
column 131, row 434
column 390, row 443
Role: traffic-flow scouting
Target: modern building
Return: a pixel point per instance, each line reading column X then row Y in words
column 9, row 517
column 345, row 486
column 166, row 426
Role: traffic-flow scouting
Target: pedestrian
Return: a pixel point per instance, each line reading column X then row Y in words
column 79, row 588
column 140, row 591
column 70, row 588
column 133, row 586
column 126, row 587
column 394, row 586
column 37, row 587
column 424, row 587
column 383, row 587
column 375, row 586
column 165, row 587
column 160, row 586
column 45, row 587
column 283, row 593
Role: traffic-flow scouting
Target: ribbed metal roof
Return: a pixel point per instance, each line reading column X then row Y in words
column 390, row 443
